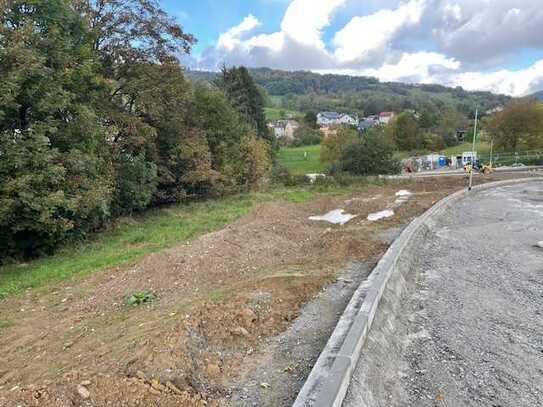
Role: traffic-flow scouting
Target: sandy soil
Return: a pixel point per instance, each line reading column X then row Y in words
column 219, row 299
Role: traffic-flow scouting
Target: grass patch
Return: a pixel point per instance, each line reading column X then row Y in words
column 273, row 114
column 217, row 295
column 132, row 238
column 5, row 323
column 481, row 147
column 294, row 159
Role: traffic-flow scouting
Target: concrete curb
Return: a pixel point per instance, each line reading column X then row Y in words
column 329, row 380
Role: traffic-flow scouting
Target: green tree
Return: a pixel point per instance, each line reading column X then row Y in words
column 370, row 155
column 243, row 93
column 518, row 126
column 50, row 129
column 310, row 119
column 306, row 136
column 405, row 132
column 334, row 145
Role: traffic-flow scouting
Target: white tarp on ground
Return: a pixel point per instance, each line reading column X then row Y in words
column 337, row 217
column 404, row 192
column 403, row 196
column 387, row 213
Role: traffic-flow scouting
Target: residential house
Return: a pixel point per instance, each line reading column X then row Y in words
column 284, row 128
column 328, row 118
column 497, row 109
column 386, row 117
column 325, row 119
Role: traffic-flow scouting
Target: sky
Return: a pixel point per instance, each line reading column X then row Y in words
column 493, row 45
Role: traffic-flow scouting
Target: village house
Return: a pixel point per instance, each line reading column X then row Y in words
column 386, row 117
column 284, row 129
column 325, row 119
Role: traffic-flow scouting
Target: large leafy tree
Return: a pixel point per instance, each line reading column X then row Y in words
column 405, row 132
column 369, row 155
column 518, row 126
column 55, row 175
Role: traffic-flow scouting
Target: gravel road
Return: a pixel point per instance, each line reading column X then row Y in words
column 469, row 329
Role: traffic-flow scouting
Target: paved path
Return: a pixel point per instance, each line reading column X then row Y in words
column 470, row 330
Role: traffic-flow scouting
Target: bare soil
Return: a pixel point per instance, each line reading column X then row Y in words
column 219, row 299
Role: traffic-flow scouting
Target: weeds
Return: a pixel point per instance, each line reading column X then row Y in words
column 141, row 297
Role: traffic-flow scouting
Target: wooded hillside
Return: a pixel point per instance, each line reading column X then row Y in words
column 307, row 91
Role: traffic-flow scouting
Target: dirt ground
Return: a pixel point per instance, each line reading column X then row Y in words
column 220, row 299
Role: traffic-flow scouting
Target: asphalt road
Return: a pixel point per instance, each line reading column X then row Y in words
column 469, row 330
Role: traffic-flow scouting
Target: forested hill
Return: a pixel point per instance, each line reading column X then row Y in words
column 538, row 95
column 302, row 90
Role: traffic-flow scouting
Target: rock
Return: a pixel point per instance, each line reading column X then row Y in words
column 265, row 385
column 240, row 331
column 248, row 315
column 539, row 244
column 141, row 375
column 85, row 383
column 83, row 392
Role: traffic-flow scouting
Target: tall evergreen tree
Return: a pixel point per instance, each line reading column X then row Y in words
column 244, row 95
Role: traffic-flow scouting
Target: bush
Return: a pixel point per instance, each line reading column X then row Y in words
column 334, row 145
column 306, row 136
column 371, row 155
column 136, row 185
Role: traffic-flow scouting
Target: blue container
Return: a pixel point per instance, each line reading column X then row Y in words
column 442, row 161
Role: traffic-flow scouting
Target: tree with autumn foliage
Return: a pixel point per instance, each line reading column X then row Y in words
column 518, row 127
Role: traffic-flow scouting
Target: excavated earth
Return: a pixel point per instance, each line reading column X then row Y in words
column 241, row 315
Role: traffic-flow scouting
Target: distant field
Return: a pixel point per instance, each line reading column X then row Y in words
column 293, row 159
column 273, row 114
column 480, row 147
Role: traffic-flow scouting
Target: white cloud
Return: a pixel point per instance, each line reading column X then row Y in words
column 302, row 23
column 232, row 38
column 515, row 83
column 411, row 67
column 365, row 34
column 304, row 20
column 479, row 30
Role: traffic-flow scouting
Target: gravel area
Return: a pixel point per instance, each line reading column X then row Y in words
column 468, row 330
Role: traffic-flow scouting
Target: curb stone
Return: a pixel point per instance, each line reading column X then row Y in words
column 329, row 380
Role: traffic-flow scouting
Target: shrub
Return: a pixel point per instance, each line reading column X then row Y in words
column 137, row 182
column 371, row 155
column 306, row 136
column 334, row 145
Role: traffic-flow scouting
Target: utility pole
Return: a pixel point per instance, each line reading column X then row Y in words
column 491, row 152
column 473, row 150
